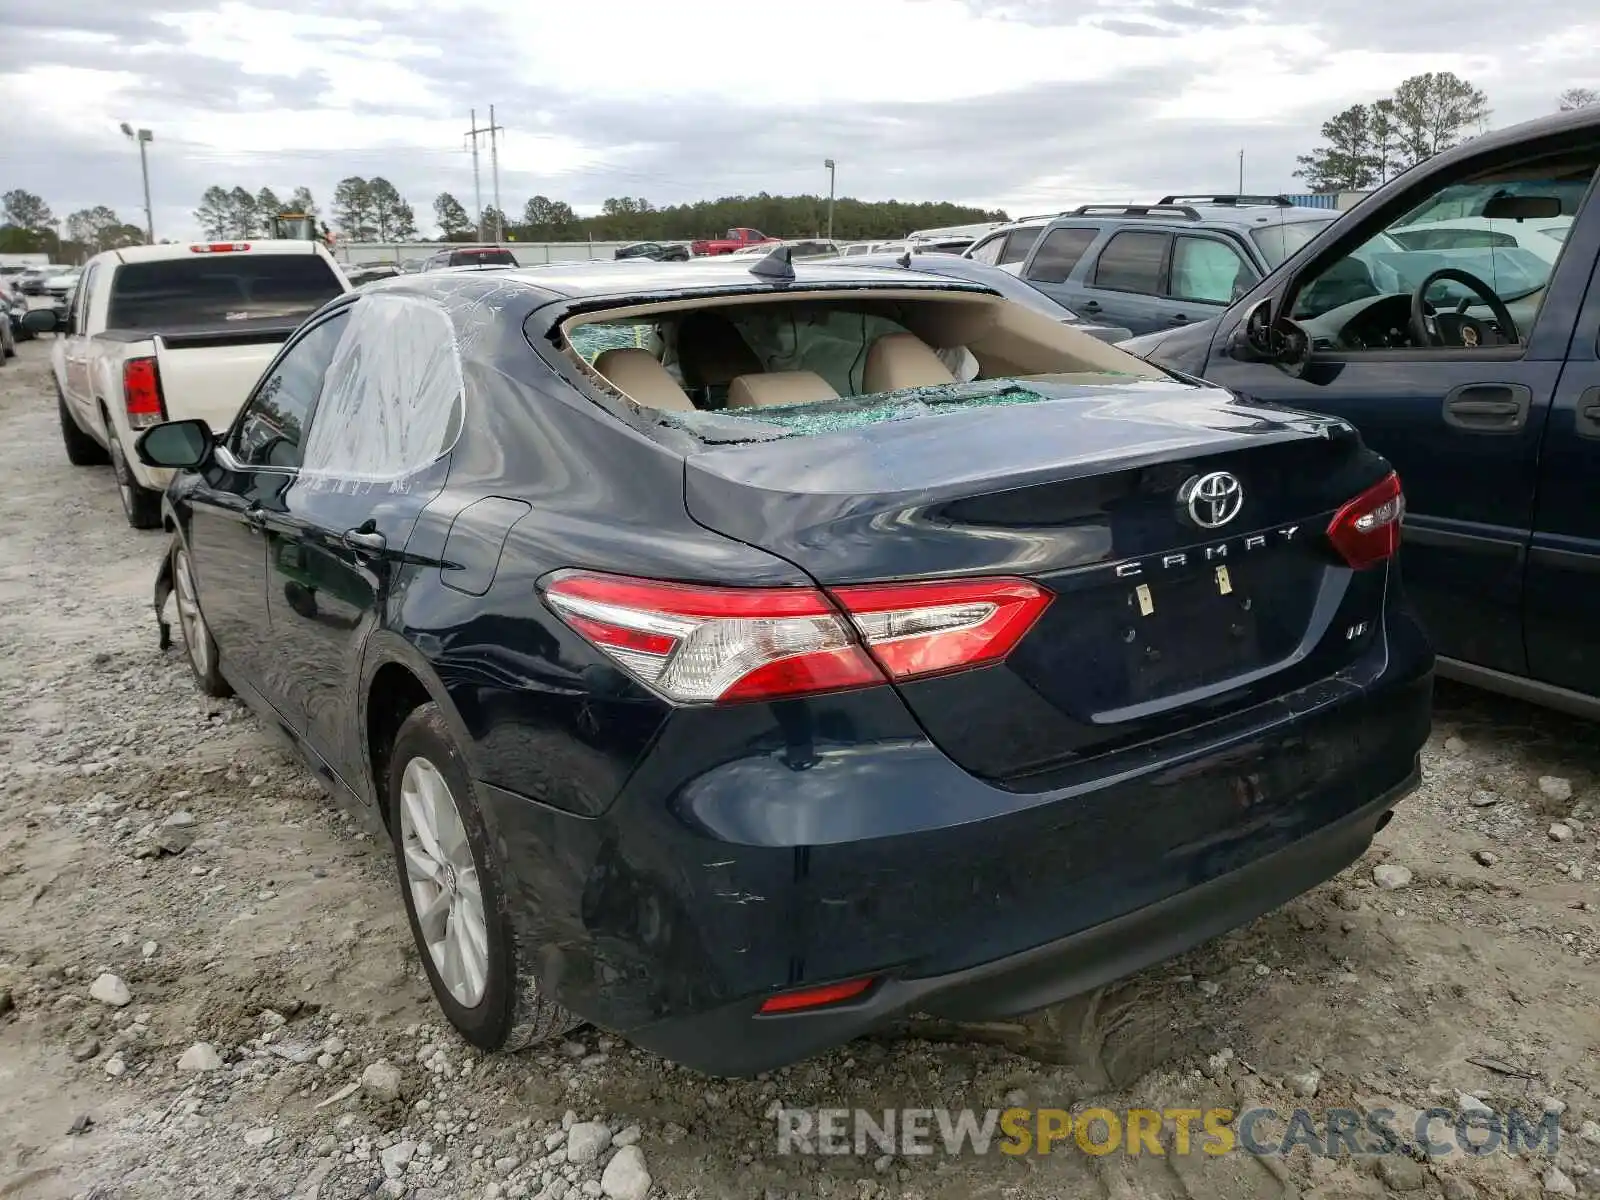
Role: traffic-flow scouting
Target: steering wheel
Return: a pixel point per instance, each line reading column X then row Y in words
column 1432, row 328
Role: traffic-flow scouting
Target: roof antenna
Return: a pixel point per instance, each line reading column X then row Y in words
column 777, row 265
column 905, row 259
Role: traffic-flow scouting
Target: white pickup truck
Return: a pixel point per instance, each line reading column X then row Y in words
column 163, row 333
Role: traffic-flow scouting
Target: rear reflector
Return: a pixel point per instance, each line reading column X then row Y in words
column 724, row 644
column 141, row 393
column 1366, row 531
column 218, row 247
column 817, row 997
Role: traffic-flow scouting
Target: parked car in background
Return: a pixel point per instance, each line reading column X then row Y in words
column 655, row 251
column 365, row 273
column 800, row 249
column 734, row 239
column 1007, row 246
column 1154, row 266
column 1542, row 237
column 470, row 256
column 1475, row 370
column 172, row 331
column 953, row 266
column 11, row 311
column 409, row 266
column 35, row 280
column 742, row 729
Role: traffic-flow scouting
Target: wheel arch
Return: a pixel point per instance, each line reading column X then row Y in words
column 396, row 680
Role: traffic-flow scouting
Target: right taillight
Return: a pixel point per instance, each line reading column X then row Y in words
column 708, row 643
column 1366, row 531
column 141, row 393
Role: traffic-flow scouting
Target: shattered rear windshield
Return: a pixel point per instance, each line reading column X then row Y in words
column 774, row 422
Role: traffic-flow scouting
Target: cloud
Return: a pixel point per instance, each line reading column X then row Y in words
column 1024, row 104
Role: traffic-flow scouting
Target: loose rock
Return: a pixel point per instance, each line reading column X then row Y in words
column 1556, row 1183
column 1486, row 858
column 1555, row 788
column 109, row 989
column 586, row 1140
column 1305, row 1085
column 1401, row 1174
column 201, row 1056
column 85, row 1050
column 1560, row 832
column 1390, row 876
column 397, row 1157
column 260, row 1137
column 626, row 1177
column 381, row 1081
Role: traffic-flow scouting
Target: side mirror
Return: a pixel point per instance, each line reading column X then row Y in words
column 40, row 320
column 175, row 444
column 1263, row 339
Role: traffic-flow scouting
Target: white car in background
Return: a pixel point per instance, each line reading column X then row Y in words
column 1542, row 237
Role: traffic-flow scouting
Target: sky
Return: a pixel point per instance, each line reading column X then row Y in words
column 1026, row 105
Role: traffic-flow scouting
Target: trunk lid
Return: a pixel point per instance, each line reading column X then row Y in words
column 209, row 374
column 1157, row 622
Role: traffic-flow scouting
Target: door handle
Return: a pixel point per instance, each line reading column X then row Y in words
column 1488, row 407
column 1090, row 306
column 1587, row 418
column 365, row 540
column 1177, row 319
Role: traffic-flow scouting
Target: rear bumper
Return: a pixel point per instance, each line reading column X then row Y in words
column 736, row 1040
column 763, row 848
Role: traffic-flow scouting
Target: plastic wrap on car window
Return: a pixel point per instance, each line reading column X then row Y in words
column 391, row 399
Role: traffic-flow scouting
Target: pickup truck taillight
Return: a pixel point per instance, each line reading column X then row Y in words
column 141, row 393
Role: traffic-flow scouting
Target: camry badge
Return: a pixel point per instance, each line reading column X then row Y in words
column 1213, row 500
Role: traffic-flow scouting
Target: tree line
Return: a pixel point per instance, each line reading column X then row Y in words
column 240, row 213
column 31, row 228
column 1368, row 144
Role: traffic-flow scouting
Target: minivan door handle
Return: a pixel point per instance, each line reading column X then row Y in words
column 365, row 540
column 1587, row 418
column 1488, row 407
column 1090, row 306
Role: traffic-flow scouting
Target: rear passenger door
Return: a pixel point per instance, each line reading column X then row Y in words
column 1126, row 283
column 1051, row 266
column 1207, row 274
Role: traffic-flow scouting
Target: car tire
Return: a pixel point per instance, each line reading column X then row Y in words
column 82, row 449
column 198, row 644
column 140, row 505
column 446, row 862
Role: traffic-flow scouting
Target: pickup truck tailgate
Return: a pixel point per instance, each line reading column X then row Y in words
column 209, row 375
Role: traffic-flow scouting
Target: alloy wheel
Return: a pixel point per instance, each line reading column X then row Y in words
column 443, row 877
column 195, row 634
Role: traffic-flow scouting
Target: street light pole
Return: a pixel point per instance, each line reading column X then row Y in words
column 828, row 162
column 142, row 137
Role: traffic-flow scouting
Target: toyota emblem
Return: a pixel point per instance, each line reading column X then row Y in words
column 1212, row 500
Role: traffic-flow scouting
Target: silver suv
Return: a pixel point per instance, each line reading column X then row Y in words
column 1152, row 267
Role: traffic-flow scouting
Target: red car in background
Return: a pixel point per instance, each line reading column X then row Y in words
column 734, row 239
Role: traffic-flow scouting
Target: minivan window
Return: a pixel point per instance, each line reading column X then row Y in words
column 1132, row 262
column 214, row 288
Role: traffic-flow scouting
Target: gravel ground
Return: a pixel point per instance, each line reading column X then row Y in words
column 207, row 988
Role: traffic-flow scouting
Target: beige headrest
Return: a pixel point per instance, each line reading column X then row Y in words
column 902, row 360
column 779, row 387
column 636, row 374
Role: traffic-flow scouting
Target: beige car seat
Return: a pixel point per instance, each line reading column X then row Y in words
column 902, row 360
column 779, row 387
column 636, row 374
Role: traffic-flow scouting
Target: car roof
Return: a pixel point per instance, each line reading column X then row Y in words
column 647, row 280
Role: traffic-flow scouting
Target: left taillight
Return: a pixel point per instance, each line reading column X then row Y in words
column 700, row 643
column 1366, row 531
column 141, row 393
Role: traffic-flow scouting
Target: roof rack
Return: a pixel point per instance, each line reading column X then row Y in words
column 1161, row 210
column 1231, row 200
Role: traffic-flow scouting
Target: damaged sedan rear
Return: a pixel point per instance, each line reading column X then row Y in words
column 737, row 659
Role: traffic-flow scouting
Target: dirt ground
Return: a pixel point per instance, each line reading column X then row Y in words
column 275, row 934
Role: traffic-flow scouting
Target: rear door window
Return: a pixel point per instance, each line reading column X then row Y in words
column 391, row 402
column 211, row 289
column 988, row 251
column 1060, row 252
column 1133, row 261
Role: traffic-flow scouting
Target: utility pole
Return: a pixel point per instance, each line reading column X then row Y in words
column 828, row 162
column 1241, row 172
column 494, row 168
column 477, row 182
column 475, row 133
column 143, row 138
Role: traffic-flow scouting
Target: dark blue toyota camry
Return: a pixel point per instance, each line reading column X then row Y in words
column 740, row 656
